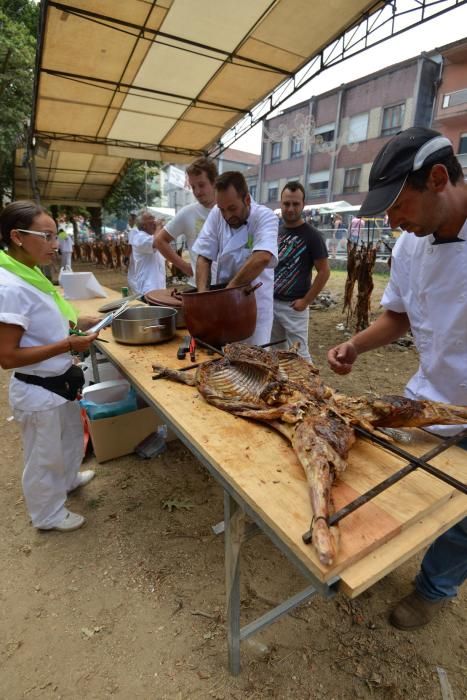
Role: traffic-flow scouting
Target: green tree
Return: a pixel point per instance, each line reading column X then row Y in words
column 135, row 189
column 18, row 19
column 24, row 12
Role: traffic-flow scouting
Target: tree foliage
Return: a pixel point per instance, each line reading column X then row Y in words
column 18, row 20
column 134, row 190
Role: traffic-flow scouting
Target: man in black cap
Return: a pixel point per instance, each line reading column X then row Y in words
column 419, row 182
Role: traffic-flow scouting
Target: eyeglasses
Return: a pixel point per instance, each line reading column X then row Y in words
column 49, row 237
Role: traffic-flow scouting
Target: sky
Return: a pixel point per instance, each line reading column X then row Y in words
column 450, row 27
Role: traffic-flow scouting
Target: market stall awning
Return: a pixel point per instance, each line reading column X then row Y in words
column 159, row 80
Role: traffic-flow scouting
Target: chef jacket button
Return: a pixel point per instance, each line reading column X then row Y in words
column 463, row 385
column 429, row 250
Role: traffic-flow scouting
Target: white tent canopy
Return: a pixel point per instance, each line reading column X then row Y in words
column 160, row 80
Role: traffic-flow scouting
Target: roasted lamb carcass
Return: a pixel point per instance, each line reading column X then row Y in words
column 286, row 392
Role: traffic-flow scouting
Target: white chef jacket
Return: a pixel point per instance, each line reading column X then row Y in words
column 428, row 282
column 231, row 248
column 22, row 304
column 149, row 263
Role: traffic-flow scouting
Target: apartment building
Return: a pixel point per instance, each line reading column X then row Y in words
column 329, row 142
column 450, row 113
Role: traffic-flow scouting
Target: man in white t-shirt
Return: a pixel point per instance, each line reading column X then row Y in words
column 240, row 236
column 189, row 220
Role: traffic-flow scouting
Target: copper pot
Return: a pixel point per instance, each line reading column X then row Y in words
column 221, row 315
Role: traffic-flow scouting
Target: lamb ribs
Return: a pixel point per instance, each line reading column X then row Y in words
column 285, row 391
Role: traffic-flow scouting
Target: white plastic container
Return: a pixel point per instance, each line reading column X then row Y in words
column 80, row 285
column 107, row 392
column 106, row 371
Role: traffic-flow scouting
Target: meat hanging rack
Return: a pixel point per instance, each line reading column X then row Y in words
column 413, row 463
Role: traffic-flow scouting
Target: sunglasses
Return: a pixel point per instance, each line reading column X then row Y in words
column 49, row 237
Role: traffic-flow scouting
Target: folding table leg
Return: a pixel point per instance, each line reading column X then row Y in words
column 234, row 519
column 94, row 363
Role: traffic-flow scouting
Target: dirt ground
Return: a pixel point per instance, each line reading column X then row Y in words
column 132, row 605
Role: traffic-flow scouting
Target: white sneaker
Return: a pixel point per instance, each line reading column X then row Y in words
column 71, row 521
column 83, row 478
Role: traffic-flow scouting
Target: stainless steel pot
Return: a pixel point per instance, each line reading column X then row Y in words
column 142, row 325
column 171, row 298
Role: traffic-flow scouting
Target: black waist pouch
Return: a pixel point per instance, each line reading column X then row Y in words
column 68, row 385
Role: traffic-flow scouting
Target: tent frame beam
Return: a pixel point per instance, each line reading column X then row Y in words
column 352, row 42
column 117, row 143
column 129, row 90
column 118, row 24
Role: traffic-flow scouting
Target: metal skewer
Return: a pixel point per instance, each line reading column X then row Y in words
column 413, row 464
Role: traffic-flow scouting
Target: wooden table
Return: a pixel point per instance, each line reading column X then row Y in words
column 262, row 479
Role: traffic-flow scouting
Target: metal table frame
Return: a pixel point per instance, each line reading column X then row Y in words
column 236, row 532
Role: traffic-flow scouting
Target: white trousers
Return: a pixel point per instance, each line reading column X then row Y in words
column 66, row 261
column 53, row 451
column 291, row 325
column 262, row 332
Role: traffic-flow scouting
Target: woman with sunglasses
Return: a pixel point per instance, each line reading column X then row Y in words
column 35, row 341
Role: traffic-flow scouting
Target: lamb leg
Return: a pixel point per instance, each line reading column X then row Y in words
column 319, row 461
column 161, row 372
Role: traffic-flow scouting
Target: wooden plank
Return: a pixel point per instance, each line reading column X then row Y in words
column 262, row 469
column 357, row 578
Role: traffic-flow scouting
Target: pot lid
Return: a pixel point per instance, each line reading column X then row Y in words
column 167, row 297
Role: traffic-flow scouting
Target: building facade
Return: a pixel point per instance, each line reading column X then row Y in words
column 450, row 112
column 329, row 142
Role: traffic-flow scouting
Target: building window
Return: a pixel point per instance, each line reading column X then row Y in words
column 454, row 99
column 324, row 134
column 276, row 147
column 273, row 191
column 393, row 118
column 463, row 144
column 352, row 180
column 318, row 183
column 358, row 128
column 296, row 146
column 252, row 190
column 318, row 190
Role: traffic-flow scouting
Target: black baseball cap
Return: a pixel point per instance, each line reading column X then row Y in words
column 405, row 153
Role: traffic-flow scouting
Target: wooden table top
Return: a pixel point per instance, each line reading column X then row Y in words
column 261, row 467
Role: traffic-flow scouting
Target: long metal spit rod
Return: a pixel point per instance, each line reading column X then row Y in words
column 219, row 351
column 397, row 476
column 420, row 462
column 414, row 463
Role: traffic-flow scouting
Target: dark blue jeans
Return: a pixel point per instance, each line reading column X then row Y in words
column 444, row 566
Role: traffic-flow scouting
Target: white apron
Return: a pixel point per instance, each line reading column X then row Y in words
column 232, row 257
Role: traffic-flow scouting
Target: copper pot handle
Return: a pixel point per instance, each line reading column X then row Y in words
column 176, row 294
column 249, row 290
